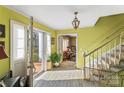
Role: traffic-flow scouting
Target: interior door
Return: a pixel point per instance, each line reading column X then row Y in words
column 18, row 48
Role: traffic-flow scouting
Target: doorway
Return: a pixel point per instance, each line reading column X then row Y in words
column 41, row 50
column 18, row 48
column 67, row 47
column 38, row 51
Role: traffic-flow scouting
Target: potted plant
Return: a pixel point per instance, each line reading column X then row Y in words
column 55, row 58
column 49, row 63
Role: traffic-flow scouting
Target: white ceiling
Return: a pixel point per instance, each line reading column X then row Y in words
column 60, row 16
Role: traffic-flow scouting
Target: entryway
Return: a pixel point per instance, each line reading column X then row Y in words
column 67, row 47
column 37, row 51
column 41, row 50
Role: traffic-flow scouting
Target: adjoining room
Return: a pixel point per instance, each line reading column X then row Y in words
column 67, row 47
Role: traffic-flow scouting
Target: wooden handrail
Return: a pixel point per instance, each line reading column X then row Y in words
column 110, row 35
column 102, row 45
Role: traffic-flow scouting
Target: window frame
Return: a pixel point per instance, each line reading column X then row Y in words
column 13, row 58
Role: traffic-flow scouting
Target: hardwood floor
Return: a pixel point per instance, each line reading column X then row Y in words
column 37, row 66
column 66, row 65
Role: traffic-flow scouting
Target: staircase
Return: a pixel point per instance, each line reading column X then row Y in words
column 105, row 64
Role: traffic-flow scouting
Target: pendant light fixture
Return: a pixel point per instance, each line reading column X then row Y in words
column 75, row 22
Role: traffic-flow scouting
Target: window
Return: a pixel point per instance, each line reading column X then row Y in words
column 19, row 43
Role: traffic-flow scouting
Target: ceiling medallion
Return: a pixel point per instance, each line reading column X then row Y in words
column 75, row 22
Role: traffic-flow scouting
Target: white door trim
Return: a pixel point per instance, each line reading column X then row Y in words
column 39, row 30
column 44, row 65
column 11, row 44
column 76, row 34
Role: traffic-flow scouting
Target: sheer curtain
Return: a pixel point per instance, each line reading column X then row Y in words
column 65, row 43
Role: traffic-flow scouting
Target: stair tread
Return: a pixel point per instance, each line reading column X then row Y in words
column 100, row 75
column 104, row 59
column 108, row 83
column 118, row 50
column 116, row 68
column 96, row 78
column 113, row 55
column 108, row 65
column 110, row 59
column 101, row 67
column 121, row 63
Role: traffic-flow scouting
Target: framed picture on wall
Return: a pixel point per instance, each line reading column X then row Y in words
column 2, row 31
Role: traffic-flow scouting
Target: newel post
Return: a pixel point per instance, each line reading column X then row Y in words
column 84, row 64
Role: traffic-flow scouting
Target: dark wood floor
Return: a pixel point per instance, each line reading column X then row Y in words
column 66, row 65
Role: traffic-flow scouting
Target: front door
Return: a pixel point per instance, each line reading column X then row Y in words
column 18, row 48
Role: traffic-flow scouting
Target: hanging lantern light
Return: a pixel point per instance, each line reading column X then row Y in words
column 75, row 22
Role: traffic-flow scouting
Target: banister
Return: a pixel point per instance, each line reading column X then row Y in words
column 112, row 34
column 109, row 36
column 102, row 45
column 106, row 42
column 114, row 38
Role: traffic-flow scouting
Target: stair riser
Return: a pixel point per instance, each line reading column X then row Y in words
column 107, row 62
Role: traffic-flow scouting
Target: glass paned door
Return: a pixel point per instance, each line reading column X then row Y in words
column 38, row 51
column 41, row 50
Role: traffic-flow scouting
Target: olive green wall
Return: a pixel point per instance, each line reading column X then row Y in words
column 5, row 16
column 90, row 37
